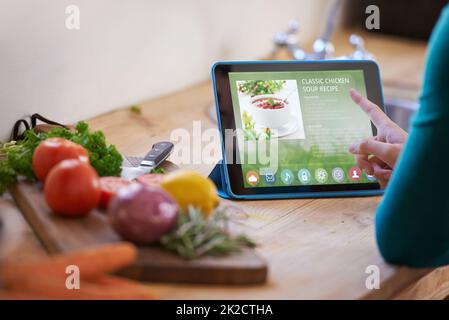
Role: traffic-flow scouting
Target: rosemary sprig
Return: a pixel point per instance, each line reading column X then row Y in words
column 196, row 236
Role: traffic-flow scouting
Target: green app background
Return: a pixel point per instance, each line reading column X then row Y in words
column 332, row 121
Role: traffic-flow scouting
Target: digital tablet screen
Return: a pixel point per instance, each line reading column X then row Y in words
column 294, row 128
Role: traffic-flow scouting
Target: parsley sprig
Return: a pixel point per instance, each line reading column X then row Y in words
column 16, row 156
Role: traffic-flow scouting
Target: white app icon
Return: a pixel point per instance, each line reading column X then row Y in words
column 321, row 175
column 338, row 174
column 304, row 176
column 252, row 179
column 286, row 176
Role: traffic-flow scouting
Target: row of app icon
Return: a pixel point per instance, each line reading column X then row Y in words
column 321, row 175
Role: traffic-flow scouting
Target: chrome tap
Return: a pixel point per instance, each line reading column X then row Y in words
column 288, row 40
column 359, row 52
column 322, row 49
column 322, row 46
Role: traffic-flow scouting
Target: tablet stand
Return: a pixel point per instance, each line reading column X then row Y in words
column 216, row 175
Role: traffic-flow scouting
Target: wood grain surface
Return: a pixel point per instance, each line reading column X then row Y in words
column 18, row 242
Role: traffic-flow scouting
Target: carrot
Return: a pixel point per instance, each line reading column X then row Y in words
column 91, row 262
column 46, row 279
column 107, row 280
column 54, row 288
column 124, row 284
column 17, row 295
column 91, row 294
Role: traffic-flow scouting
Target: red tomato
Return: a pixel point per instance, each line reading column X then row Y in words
column 52, row 151
column 109, row 187
column 151, row 179
column 72, row 188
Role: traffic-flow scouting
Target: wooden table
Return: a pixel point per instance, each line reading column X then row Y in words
column 315, row 248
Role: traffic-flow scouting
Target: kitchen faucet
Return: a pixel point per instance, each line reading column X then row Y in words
column 322, row 46
column 287, row 39
column 359, row 52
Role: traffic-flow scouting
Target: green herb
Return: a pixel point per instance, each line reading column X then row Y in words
column 250, row 132
column 8, row 176
column 249, row 127
column 196, row 236
column 136, row 109
column 158, row 170
column 273, row 103
column 258, row 87
column 16, row 156
column 268, row 133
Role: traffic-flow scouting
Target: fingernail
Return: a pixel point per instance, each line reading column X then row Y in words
column 354, row 94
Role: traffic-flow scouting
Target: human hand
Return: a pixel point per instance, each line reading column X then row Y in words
column 378, row 155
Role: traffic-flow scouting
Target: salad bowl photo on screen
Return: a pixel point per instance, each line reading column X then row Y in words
column 270, row 107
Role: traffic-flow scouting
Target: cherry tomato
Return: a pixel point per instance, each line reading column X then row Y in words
column 72, row 188
column 109, row 187
column 54, row 150
column 151, row 179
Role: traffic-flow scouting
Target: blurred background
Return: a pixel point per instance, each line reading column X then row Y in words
column 127, row 52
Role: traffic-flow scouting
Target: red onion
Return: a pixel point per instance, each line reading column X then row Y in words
column 142, row 214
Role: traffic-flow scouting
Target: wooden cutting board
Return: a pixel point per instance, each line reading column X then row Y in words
column 60, row 235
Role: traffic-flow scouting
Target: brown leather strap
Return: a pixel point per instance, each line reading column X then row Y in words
column 37, row 116
column 17, row 134
column 15, row 130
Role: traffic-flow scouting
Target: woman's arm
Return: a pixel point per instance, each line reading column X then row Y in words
column 412, row 222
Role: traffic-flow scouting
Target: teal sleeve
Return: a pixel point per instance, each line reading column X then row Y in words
column 412, row 222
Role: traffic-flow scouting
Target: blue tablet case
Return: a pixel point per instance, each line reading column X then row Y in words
column 216, row 176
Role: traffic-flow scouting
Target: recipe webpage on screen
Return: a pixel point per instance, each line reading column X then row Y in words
column 312, row 118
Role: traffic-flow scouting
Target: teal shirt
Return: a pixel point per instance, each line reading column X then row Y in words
column 412, row 222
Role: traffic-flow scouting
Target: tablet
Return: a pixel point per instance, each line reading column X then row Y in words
column 286, row 127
